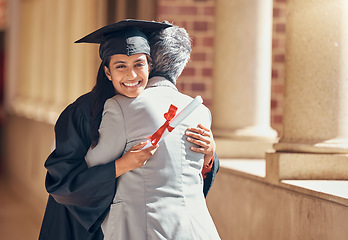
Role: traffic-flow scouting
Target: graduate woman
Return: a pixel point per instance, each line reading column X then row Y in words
column 80, row 197
column 164, row 198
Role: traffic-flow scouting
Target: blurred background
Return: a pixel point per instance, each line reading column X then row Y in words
column 238, row 67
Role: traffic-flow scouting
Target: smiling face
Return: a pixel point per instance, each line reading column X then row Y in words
column 129, row 74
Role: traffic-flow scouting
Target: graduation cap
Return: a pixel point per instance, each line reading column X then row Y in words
column 124, row 37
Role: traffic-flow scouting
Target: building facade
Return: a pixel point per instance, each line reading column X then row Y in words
column 272, row 73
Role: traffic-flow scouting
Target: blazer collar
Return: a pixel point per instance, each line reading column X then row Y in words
column 160, row 82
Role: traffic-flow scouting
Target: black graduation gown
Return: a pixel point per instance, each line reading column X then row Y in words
column 80, row 197
column 210, row 176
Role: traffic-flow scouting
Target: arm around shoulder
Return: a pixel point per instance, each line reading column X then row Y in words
column 86, row 192
column 112, row 136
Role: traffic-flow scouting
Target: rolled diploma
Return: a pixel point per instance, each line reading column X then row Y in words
column 180, row 117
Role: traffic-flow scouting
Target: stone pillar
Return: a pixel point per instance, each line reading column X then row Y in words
column 51, row 71
column 62, row 54
column 314, row 144
column 242, row 75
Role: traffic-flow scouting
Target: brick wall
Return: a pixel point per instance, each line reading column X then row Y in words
column 197, row 16
column 278, row 60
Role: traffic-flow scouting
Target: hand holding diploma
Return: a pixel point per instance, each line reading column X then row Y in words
column 172, row 121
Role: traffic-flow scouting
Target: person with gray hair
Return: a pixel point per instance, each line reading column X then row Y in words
column 164, row 198
column 170, row 52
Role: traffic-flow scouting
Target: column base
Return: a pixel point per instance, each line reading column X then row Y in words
column 332, row 146
column 251, row 133
column 250, row 149
column 306, row 166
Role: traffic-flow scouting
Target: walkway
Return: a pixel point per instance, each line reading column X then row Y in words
column 18, row 221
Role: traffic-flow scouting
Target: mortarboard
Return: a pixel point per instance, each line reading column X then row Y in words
column 123, row 37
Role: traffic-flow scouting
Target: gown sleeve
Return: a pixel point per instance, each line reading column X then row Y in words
column 86, row 192
column 210, row 176
column 209, row 172
column 112, row 140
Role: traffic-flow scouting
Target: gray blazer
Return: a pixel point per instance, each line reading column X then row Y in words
column 164, row 198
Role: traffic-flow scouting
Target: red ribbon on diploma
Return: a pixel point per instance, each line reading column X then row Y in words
column 168, row 116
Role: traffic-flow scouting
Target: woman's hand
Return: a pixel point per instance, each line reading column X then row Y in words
column 202, row 137
column 134, row 158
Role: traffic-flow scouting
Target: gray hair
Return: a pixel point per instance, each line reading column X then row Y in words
column 170, row 52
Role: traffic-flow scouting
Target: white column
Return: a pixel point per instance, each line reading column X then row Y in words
column 12, row 54
column 121, row 10
column 46, row 70
column 314, row 144
column 146, row 9
column 83, row 65
column 242, row 78
column 62, row 53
